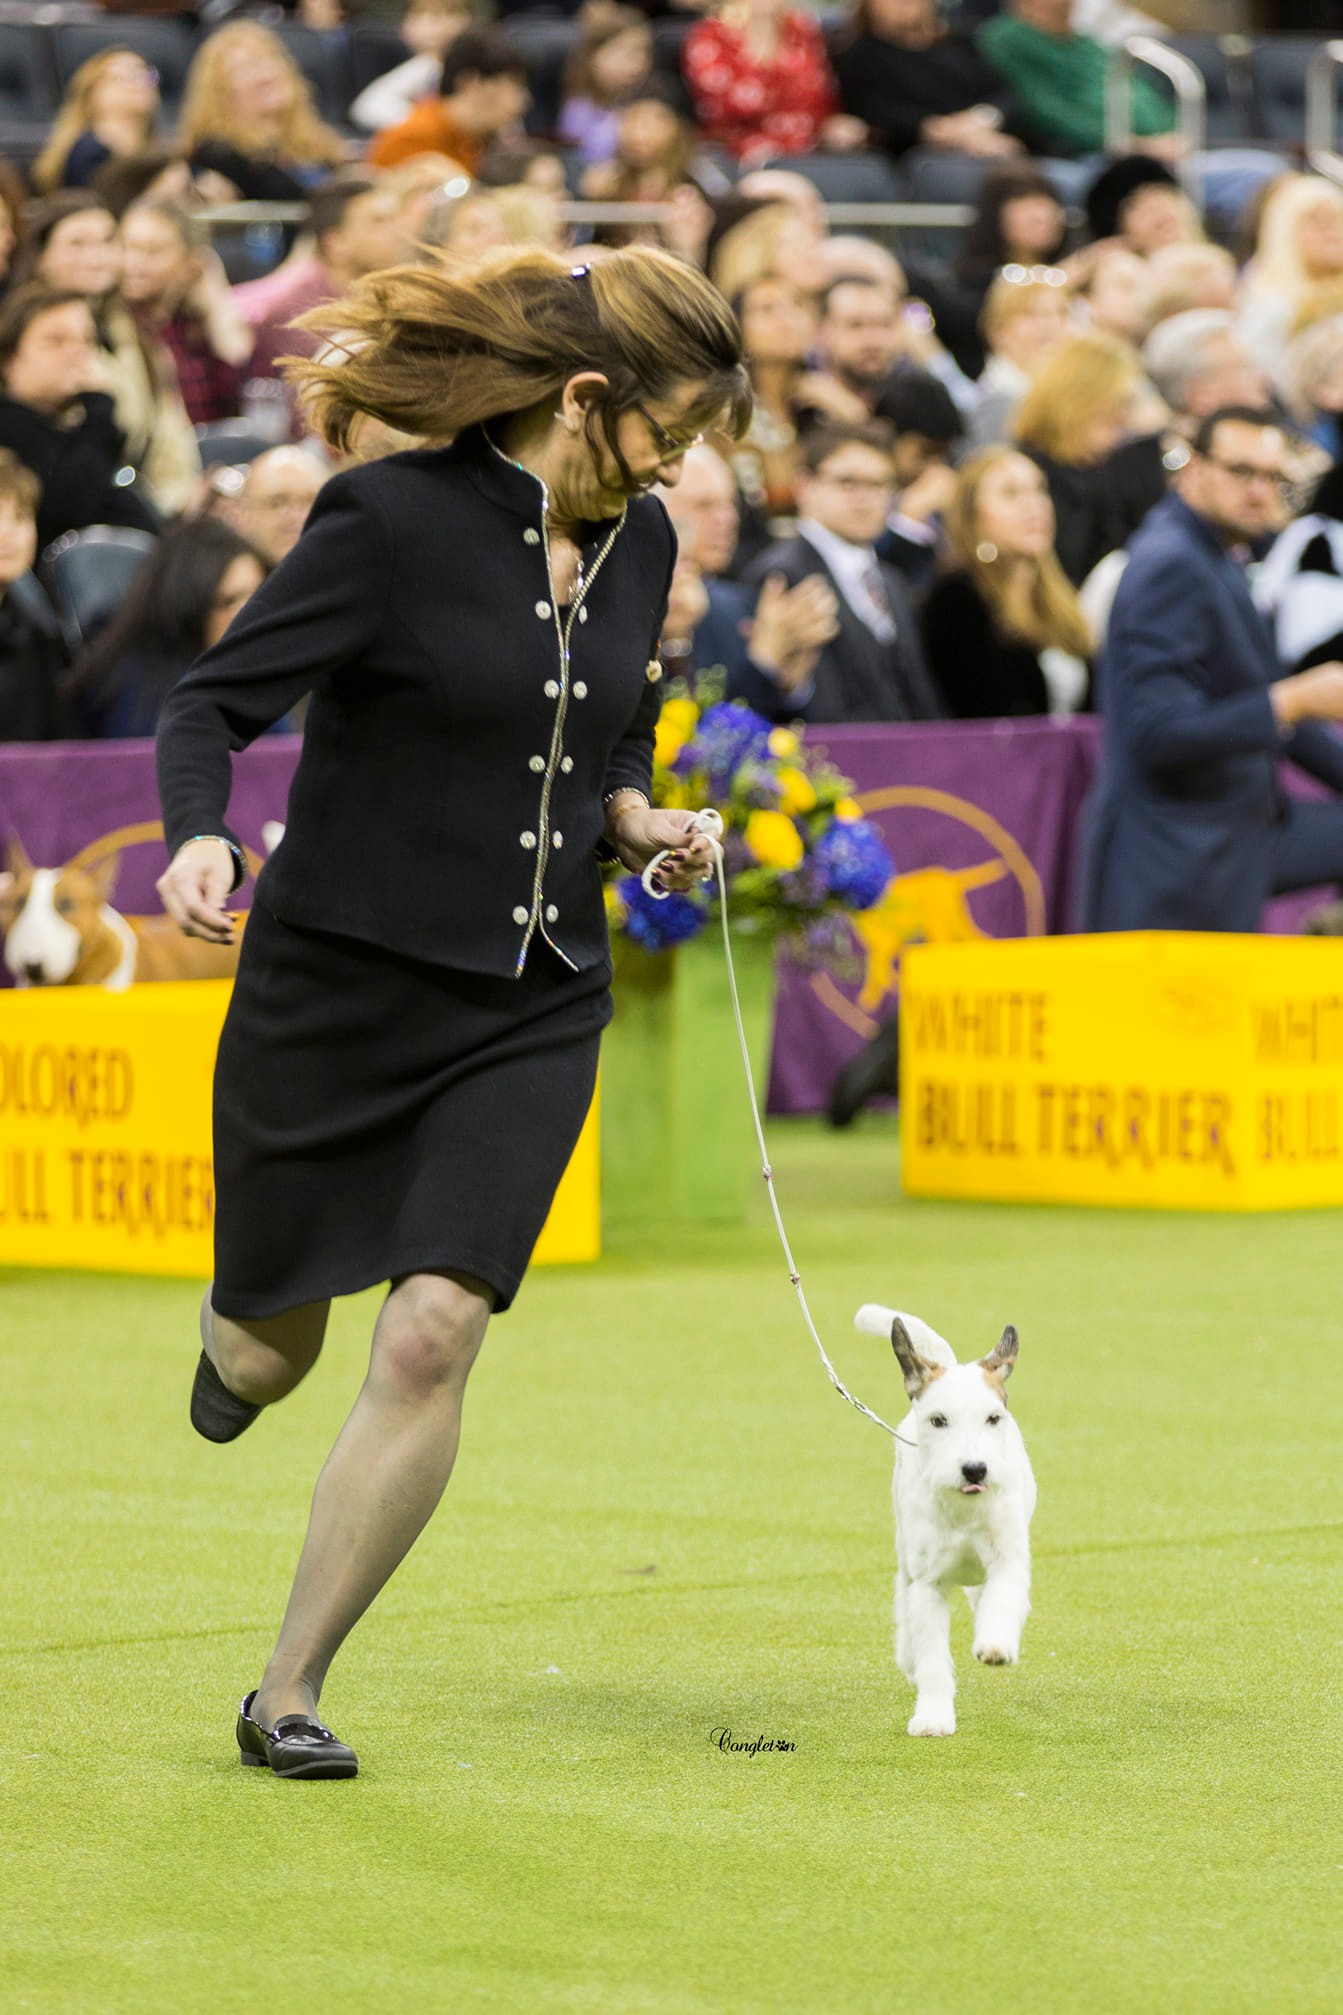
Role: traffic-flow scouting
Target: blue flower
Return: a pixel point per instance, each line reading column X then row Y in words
column 857, row 866
column 808, row 886
column 658, row 925
column 728, row 735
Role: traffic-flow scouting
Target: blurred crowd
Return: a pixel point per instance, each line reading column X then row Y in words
column 956, row 432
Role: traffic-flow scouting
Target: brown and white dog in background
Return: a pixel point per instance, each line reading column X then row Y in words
column 60, row 930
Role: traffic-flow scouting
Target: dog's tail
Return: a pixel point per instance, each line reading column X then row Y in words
column 874, row 1320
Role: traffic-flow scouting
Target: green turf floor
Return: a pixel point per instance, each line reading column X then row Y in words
column 664, row 1522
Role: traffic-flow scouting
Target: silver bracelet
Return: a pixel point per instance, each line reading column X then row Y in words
column 239, row 857
column 627, row 791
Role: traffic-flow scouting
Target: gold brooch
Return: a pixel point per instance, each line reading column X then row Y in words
column 652, row 671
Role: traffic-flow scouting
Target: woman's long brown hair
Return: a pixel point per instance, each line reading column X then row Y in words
column 76, row 116
column 210, row 110
column 429, row 350
column 1037, row 604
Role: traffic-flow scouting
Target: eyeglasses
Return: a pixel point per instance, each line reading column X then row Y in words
column 1245, row 472
column 669, row 448
column 1033, row 276
column 868, row 485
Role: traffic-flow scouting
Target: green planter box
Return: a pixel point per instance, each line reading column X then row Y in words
column 677, row 1141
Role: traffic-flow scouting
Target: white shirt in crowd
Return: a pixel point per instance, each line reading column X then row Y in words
column 393, row 97
column 857, row 575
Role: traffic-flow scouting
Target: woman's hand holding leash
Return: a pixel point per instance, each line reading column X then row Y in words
column 195, row 888
column 639, row 835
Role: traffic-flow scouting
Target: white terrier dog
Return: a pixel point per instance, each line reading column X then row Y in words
column 964, row 1494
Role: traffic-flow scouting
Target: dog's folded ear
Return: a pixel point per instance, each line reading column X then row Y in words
column 917, row 1370
column 1001, row 1360
column 16, row 858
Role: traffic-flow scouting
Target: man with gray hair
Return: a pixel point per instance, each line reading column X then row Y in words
column 1198, row 363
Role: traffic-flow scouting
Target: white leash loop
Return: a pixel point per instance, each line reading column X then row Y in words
column 710, row 823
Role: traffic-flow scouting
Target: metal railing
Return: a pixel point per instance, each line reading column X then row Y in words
column 1191, row 103
column 1321, row 110
column 865, row 216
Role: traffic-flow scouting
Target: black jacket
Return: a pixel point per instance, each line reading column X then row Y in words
column 857, row 677
column 448, row 799
column 1182, row 821
column 894, row 89
column 77, row 467
column 983, row 674
column 33, row 667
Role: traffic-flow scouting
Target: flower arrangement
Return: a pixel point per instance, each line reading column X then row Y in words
column 798, row 854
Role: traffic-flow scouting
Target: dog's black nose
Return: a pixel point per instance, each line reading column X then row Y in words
column 33, row 975
column 974, row 1472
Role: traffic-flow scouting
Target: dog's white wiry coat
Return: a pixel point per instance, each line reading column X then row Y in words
column 964, row 1494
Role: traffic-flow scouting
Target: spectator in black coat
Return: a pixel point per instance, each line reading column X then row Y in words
column 33, row 662
column 872, row 669
column 1004, row 632
column 56, row 423
column 181, row 602
column 917, row 83
column 1075, row 414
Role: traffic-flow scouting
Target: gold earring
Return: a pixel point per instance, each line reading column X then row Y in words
column 986, row 552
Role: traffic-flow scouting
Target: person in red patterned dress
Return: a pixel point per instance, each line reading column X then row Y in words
column 762, row 85
column 176, row 288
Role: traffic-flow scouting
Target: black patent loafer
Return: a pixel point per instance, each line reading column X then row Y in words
column 295, row 1747
column 217, row 1413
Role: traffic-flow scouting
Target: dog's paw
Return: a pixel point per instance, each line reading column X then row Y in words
column 997, row 1654
column 932, row 1721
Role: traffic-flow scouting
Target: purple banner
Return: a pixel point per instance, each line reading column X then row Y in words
column 92, row 799
column 981, row 817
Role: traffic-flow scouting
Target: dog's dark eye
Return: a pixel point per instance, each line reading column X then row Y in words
column 994, row 1418
column 937, row 1420
column 64, row 906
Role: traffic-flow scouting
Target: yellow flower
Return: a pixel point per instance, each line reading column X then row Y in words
column 668, row 743
column 682, row 715
column 798, row 792
column 847, row 810
column 783, row 742
column 615, row 906
column 676, row 724
column 774, row 839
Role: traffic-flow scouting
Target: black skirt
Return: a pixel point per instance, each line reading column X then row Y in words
column 376, row 1116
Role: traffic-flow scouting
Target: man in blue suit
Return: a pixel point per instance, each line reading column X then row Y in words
column 1190, row 828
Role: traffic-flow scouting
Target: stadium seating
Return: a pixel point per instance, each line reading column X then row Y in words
column 325, row 63
column 1229, row 103
column 28, row 94
column 89, row 573
column 1278, row 65
column 231, row 441
column 1255, row 88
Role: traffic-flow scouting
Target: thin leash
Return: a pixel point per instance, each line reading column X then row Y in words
column 710, row 824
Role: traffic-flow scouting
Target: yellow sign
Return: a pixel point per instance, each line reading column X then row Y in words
column 1186, row 1071
column 105, row 1153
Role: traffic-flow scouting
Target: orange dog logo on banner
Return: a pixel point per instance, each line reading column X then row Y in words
column 930, row 905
